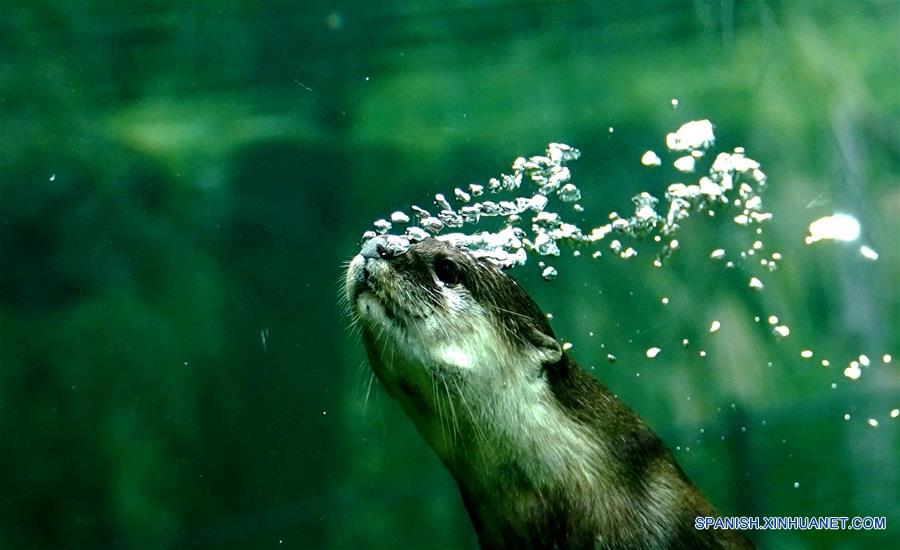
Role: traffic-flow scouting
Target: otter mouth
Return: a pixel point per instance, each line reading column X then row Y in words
column 361, row 282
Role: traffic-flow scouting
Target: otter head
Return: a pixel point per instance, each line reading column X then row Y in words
column 440, row 325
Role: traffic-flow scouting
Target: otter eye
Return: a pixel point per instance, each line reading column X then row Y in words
column 446, row 271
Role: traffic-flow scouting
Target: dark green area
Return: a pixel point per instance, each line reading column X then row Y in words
column 180, row 183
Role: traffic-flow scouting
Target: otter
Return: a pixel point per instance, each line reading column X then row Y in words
column 544, row 455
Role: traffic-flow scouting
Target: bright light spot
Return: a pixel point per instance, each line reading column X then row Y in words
column 868, row 253
column 653, row 352
column 886, row 358
column 455, row 356
column 755, row 283
column 895, row 413
column 665, row 301
column 773, row 320
column 715, row 326
column 826, row 362
column 840, row 227
column 567, row 346
column 796, row 485
column 806, row 354
column 846, row 416
column 864, row 360
column 782, row 330
column 872, row 422
column 651, row 159
column 674, row 103
column 717, row 254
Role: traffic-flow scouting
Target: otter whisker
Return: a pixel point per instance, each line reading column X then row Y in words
column 369, row 389
column 454, row 422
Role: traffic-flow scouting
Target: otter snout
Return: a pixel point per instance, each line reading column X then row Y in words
column 368, row 269
column 384, row 247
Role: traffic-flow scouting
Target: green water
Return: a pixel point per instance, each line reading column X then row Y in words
column 181, row 182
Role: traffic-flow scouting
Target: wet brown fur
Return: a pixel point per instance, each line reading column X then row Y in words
column 641, row 499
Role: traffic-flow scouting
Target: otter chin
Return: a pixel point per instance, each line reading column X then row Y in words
column 544, row 455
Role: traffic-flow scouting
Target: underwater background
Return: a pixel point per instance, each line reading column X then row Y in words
column 181, row 182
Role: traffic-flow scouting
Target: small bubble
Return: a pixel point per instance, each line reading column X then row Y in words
column 796, row 485
column 549, row 273
column 611, row 358
column 653, row 352
column 756, row 283
column 715, row 326
column 702, row 353
column 853, row 372
column 717, row 254
column 773, row 320
column 886, row 358
column 806, row 354
column 685, row 164
column 685, row 342
column 895, row 413
column 382, row 226
column 650, row 158
column 864, row 360
column 872, row 422
column 826, row 362
column 782, row 330
column 665, row 300
column 399, row 217
column 834, row 385
column 567, row 346
column 868, row 253
column 846, row 416
column 675, row 103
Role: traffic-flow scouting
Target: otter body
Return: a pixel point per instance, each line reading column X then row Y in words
column 544, row 455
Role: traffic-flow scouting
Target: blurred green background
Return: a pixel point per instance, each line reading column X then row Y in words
column 180, row 182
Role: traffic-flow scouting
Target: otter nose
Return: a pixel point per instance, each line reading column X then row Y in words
column 384, row 247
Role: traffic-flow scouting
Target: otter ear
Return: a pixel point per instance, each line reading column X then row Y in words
column 549, row 350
